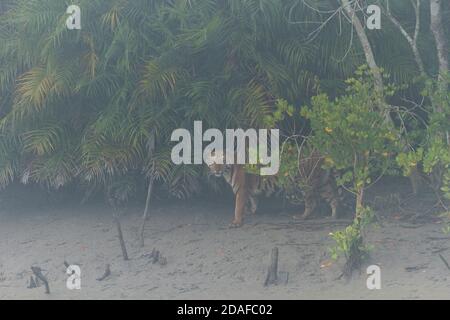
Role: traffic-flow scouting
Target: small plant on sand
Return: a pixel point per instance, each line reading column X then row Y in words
column 350, row 241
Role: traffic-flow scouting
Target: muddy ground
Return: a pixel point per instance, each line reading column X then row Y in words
column 207, row 260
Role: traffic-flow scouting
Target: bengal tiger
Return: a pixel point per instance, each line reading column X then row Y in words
column 316, row 183
column 246, row 186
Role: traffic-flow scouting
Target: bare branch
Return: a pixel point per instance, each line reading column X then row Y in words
column 412, row 41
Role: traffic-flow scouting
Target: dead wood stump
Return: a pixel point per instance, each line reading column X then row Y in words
column 272, row 273
column 38, row 273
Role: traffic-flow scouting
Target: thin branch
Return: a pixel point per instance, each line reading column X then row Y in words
column 412, row 40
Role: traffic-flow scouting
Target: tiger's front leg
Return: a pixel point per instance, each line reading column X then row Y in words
column 241, row 198
column 334, row 209
column 310, row 206
column 251, row 206
column 331, row 194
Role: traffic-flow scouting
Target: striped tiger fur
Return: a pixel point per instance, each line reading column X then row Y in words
column 316, row 184
column 246, row 187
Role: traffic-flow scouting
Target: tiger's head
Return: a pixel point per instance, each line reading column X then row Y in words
column 216, row 164
column 219, row 170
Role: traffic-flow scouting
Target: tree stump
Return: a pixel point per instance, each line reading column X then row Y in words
column 272, row 273
column 38, row 273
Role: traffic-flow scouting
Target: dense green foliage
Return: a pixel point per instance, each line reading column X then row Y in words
column 95, row 107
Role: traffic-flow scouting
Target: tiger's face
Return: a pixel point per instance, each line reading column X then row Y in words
column 217, row 166
column 219, row 169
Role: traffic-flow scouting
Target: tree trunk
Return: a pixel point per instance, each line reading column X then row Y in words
column 364, row 40
column 437, row 29
column 146, row 210
column 359, row 201
column 120, row 235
